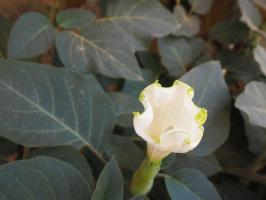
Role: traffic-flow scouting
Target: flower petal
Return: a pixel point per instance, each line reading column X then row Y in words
column 174, row 140
column 156, row 153
column 157, row 95
column 142, row 121
column 171, row 121
column 197, row 137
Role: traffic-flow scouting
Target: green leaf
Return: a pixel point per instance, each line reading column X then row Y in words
column 211, row 93
column 208, row 165
column 125, row 104
column 135, row 87
column 189, row 25
column 250, row 14
column 228, row 32
column 70, row 156
column 253, row 102
column 177, row 53
column 242, row 67
column 127, row 153
column 46, row 106
column 200, row 7
column 42, row 178
column 260, row 56
column 256, row 136
column 190, row 185
column 30, row 29
column 75, row 18
column 110, row 183
column 100, row 50
column 138, row 20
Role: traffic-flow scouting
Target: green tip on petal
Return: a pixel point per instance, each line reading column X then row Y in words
column 201, row 117
column 157, row 83
column 178, row 82
column 190, row 92
column 141, row 96
column 136, row 113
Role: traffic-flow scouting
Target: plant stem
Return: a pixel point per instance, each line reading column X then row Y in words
column 26, row 153
column 143, row 177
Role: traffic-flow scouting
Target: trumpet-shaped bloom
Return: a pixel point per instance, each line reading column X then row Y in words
column 171, row 122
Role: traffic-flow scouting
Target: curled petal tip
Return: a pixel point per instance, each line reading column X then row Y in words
column 136, row 114
column 141, row 96
column 157, row 83
column 190, row 90
column 190, row 93
column 201, row 116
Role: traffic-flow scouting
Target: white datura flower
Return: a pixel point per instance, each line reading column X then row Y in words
column 171, row 122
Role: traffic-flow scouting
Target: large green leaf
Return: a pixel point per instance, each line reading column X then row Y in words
column 71, row 156
column 228, row 32
column 135, row 87
column 99, row 49
column 188, row 184
column 211, row 93
column 45, row 106
column 125, row 104
column 253, row 102
column 150, row 72
column 189, row 25
column 208, row 165
column 74, row 18
column 177, row 53
column 240, row 66
column 260, row 56
column 250, row 14
column 110, row 183
column 127, row 153
column 31, row 28
column 42, row 178
column 200, row 7
column 138, row 20
column 256, row 136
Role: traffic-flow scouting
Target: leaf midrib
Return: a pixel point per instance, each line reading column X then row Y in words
column 91, row 43
column 187, row 188
column 50, row 116
column 128, row 18
column 35, row 35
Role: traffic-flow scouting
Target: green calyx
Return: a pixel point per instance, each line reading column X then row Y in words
column 143, row 177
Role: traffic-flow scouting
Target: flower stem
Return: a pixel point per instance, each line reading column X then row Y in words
column 143, row 177
column 26, row 153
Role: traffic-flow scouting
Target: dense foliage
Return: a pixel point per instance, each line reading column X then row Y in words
column 70, row 76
